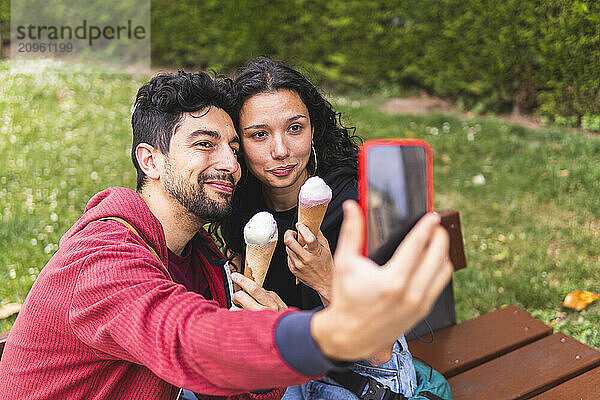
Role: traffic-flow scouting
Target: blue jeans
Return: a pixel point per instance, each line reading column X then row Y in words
column 187, row 395
column 398, row 374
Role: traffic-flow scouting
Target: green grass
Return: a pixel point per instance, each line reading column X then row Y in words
column 531, row 230
column 64, row 135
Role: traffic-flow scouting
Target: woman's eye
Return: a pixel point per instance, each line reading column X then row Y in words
column 236, row 152
column 296, row 128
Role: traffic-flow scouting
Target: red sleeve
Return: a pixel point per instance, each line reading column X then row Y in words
column 274, row 394
column 124, row 307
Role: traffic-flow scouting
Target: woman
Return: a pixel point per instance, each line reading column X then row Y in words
column 288, row 133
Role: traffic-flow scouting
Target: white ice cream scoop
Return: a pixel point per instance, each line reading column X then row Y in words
column 314, row 192
column 261, row 229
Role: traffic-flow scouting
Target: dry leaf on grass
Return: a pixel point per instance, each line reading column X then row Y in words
column 9, row 309
column 580, row 299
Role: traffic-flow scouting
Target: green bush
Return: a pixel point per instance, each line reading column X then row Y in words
column 339, row 42
column 572, row 56
column 540, row 56
column 591, row 122
column 490, row 56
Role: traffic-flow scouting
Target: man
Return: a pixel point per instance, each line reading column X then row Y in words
column 135, row 302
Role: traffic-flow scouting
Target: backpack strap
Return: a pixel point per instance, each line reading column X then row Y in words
column 357, row 383
column 132, row 229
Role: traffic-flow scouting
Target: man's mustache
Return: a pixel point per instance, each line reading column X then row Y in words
column 220, row 177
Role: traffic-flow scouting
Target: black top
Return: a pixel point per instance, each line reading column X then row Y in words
column 279, row 279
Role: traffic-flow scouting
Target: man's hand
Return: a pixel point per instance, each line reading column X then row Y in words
column 370, row 305
column 312, row 263
column 253, row 297
column 381, row 357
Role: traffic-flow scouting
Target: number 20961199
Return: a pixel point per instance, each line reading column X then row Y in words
column 43, row 47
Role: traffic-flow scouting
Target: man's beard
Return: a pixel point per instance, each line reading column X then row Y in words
column 196, row 200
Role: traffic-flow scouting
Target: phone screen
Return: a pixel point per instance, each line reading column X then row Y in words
column 398, row 193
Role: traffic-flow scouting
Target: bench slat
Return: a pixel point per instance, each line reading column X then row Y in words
column 582, row 387
column 451, row 221
column 527, row 371
column 471, row 343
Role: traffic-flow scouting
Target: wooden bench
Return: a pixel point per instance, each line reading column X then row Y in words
column 508, row 354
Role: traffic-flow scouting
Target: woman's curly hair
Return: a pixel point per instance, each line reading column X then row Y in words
column 335, row 144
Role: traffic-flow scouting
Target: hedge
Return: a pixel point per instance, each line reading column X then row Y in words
column 538, row 56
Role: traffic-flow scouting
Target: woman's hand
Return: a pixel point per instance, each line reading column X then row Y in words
column 253, row 297
column 312, row 263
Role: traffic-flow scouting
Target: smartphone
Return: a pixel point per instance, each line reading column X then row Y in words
column 395, row 191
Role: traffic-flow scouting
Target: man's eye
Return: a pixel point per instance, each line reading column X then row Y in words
column 206, row 145
column 235, row 151
column 259, row 134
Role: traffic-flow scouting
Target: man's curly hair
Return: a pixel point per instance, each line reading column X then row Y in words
column 161, row 103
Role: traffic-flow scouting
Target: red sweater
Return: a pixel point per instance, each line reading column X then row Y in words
column 105, row 321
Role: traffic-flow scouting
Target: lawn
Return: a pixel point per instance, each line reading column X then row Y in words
column 528, row 199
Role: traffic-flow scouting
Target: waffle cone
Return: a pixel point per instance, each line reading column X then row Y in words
column 258, row 259
column 312, row 218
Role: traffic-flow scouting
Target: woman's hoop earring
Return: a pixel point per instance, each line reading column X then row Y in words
column 312, row 145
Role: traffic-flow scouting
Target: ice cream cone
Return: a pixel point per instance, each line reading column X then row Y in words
column 260, row 235
column 313, row 199
column 258, row 259
column 312, row 218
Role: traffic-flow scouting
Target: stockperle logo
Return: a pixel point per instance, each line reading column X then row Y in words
column 102, row 31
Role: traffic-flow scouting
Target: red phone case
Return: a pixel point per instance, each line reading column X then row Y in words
column 362, row 174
